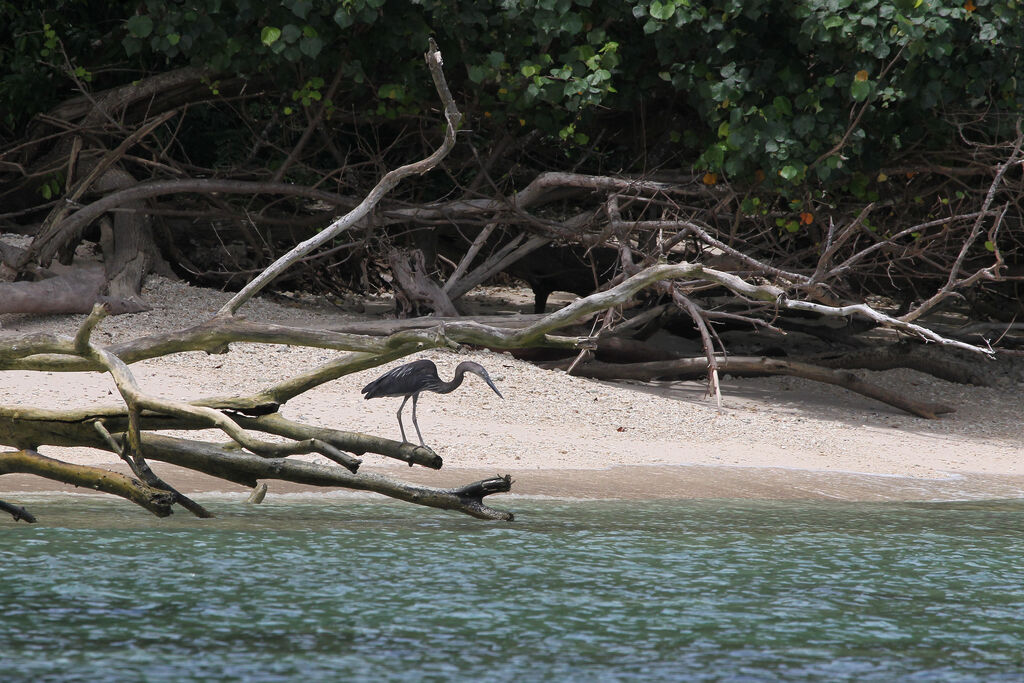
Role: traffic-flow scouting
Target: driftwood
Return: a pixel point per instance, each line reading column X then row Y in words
column 17, row 512
column 910, row 356
column 75, row 291
column 258, row 494
column 413, row 286
column 694, row 368
column 126, row 428
column 123, row 428
column 157, row 501
column 383, row 328
column 246, row 469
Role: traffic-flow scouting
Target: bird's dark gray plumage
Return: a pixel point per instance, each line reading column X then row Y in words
column 413, row 378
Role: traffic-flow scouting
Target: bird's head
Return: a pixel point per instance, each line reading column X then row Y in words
column 477, row 369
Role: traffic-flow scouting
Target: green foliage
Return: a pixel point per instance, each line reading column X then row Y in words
column 742, row 88
column 35, row 35
column 778, row 81
column 52, row 186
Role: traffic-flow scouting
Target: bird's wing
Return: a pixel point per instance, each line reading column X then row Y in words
column 403, row 380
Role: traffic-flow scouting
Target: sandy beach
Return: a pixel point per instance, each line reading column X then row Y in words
column 565, row 436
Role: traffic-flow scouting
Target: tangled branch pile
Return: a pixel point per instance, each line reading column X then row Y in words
column 731, row 192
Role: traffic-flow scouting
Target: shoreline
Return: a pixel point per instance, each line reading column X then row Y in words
column 621, row 482
column 564, row 436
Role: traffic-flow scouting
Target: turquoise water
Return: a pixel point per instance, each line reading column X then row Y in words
column 345, row 589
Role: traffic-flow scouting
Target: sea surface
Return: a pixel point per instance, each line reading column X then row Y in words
column 335, row 588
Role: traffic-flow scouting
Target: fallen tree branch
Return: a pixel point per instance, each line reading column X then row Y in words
column 697, row 315
column 137, row 401
column 350, row 441
column 30, row 462
column 33, row 427
column 31, row 352
column 75, row 291
column 247, row 470
column 17, row 512
column 695, row 368
column 910, row 356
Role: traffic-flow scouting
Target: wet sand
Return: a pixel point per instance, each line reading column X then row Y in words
column 624, row 482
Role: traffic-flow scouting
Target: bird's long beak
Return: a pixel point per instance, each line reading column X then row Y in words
column 491, row 385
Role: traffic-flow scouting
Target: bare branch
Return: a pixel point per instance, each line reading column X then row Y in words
column 390, row 180
column 17, row 512
column 30, row 462
column 953, row 281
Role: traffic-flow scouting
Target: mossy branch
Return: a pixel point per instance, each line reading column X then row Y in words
column 98, row 479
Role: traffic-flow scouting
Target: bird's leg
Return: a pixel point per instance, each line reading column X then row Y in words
column 400, row 409
column 414, row 422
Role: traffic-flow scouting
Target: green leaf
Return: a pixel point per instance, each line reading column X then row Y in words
column 301, row 8
column 990, row 245
column 269, row 35
column 572, row 24
column 139, row 25
column 342, row 18
column 803, row 124
column 783, row 106
column 391, row 91
column 789, row 172
column 476, row 73
column 311, row 46
column 860, row 90
column 662, row 10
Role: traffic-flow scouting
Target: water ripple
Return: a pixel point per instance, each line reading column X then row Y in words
column 574, row 591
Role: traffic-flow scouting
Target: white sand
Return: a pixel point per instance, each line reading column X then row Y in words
column 550, row 421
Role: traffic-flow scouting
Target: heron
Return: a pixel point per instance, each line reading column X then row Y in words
column 411, row 379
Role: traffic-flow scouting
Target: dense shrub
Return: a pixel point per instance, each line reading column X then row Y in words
column 745, row 88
